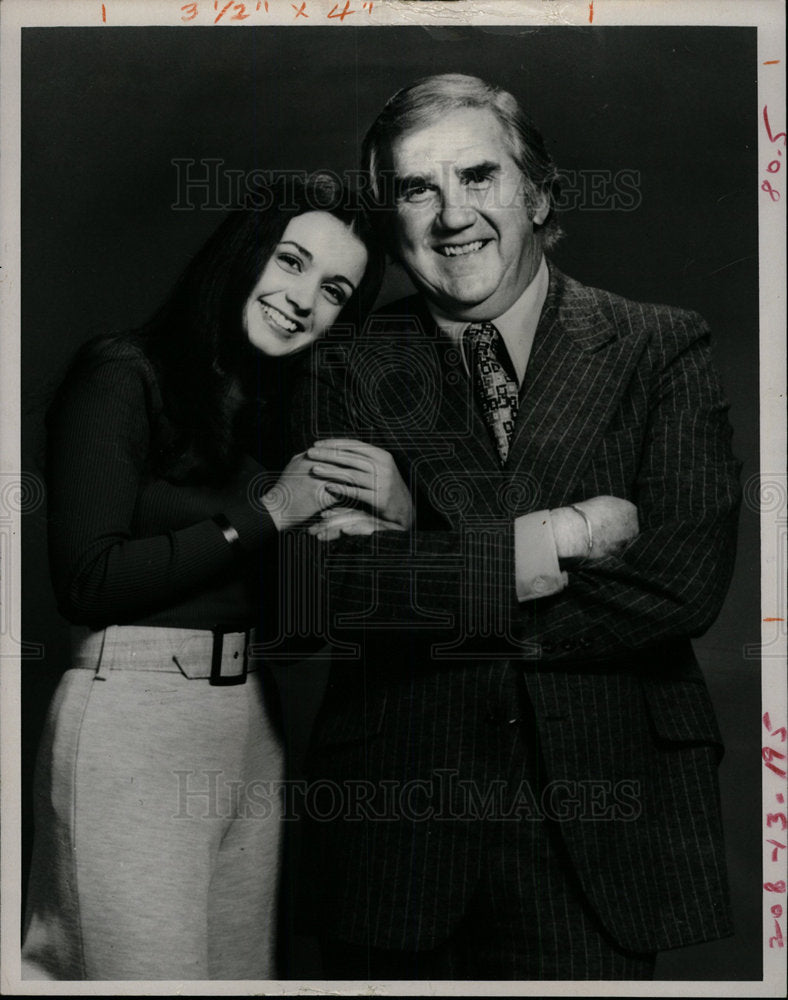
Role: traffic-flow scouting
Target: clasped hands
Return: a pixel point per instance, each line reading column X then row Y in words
column 337, row 472
column 329, row 477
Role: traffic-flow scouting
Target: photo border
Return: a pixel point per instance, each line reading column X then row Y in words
column 771, row 492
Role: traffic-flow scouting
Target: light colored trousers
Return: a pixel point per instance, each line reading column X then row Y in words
column 157, row 825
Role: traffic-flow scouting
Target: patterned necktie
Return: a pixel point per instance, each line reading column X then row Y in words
column 496, row 389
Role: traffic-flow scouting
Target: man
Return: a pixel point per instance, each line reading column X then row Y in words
column 521, row 739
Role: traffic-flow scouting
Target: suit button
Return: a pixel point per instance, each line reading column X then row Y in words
column 539, row 584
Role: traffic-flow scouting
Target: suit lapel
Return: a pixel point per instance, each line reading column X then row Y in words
column 450, row 451
column 579, row 367
column 458, row 417
column 577, row 372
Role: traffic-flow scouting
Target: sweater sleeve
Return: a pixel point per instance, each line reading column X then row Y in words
column 98, row 441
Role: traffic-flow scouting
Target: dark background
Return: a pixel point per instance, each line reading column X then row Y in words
column 106, row 110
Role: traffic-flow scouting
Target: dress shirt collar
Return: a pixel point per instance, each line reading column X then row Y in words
column 517, row 325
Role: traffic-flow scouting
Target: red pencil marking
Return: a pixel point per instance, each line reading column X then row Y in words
column 771, row 62
column 772, row 137
column 103, row 13
column 346, row 12
column 591, row 12
column 774, row 619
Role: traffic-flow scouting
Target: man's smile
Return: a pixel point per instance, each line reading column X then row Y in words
column 460, row 249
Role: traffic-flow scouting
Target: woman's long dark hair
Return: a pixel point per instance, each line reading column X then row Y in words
column 211, row 379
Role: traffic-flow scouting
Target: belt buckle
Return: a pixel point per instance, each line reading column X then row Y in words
column 217, row 678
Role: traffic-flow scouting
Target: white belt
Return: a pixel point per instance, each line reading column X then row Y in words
column 222, row 658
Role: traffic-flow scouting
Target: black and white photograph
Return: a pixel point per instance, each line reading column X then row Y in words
column 393, row 500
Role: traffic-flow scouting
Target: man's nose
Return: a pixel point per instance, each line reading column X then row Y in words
column 455, row 212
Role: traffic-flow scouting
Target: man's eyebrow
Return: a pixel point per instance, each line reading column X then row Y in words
column 486, row 167
column 409, row 180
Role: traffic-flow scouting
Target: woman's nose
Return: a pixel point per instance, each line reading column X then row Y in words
column 301, row 295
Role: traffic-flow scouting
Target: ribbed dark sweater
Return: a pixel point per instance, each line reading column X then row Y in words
column 129, row 548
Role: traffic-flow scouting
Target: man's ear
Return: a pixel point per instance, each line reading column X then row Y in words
column 540, row 208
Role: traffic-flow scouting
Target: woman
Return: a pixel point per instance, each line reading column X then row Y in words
column 152, row 860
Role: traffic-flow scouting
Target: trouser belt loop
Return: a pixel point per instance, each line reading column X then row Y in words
column 105, row 658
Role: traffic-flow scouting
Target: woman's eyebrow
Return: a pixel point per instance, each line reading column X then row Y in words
column 298, row 247
column 308, row 255
column 344, row 280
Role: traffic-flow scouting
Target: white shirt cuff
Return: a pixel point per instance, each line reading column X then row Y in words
column 536, row 569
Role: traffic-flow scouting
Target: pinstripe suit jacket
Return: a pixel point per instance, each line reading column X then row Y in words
column 619, row 399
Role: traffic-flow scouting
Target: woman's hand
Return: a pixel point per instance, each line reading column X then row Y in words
column 297, row 495
column 338, row 521
column 353, row 470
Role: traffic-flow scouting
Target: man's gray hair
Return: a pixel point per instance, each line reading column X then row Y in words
column 428, row 100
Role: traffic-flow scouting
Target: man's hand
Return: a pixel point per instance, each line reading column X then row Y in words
column 357, row 471
column 614, row 523
column 297, row 495
column 338, row 521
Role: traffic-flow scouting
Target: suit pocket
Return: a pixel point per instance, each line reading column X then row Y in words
column 682, row 712
column 349, row 723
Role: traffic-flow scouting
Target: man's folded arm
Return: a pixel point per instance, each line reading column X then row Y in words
column 668, row 582
column 672, row 578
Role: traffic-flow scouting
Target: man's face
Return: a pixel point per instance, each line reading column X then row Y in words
column 462, row 225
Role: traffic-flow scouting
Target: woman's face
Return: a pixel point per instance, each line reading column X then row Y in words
column 314, row 269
